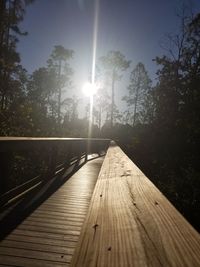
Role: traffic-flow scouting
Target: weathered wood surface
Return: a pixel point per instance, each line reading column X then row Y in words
column 130, row 222
column 49, row 235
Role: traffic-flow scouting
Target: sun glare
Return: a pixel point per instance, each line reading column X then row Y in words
column 89, row 89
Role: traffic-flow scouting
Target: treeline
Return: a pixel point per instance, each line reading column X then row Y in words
column 160, row 127
column 36, row 104
column 166, row 143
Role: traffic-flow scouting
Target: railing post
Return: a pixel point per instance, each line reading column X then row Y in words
column 85, row 148
column 51, row 163
column 5, row 158
column 69, row 153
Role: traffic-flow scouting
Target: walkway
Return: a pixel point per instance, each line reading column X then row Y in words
column 49, row 235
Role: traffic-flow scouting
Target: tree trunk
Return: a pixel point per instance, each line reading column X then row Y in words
column 100, row 118
column 2, row 26
column 59, row 97
column 112, row 99
column 135, row 107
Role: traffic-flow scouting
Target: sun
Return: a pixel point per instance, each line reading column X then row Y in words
column 89, row 89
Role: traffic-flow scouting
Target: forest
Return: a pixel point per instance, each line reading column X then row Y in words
column 160, row 127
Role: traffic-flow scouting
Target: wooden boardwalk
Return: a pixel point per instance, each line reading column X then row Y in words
column 49, row 235
column 121, row 220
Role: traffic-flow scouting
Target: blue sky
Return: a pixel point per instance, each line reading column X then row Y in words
column 134, row 27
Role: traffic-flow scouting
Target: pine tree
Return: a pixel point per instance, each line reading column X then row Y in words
column 137, row 90
column 114, row 63
column 58, row 62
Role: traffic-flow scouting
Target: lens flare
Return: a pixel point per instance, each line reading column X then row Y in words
column 95, row 32
column 89, row 89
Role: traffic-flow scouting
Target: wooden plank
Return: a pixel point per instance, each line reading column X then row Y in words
column 66, row 204
column 59, row 214
column 55, row 221
column 70, row 230
column 78, row 200
column 45, row 235
column 37, row 247
column 54, row 257
column 25, row 143
column 50, row 225
column 61, row 217
column 39, row 240
column 62, row 209
column 70, row 201
column 26, row 262
column 131, row 223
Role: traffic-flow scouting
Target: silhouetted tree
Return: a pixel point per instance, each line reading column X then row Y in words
column 58, row 62
column 71, row 108
column 12, row 75
column 40, row 96
column 101, row 103
column 172, row 140
column 137, row 91
column 41, row 86
column 114, row 63
column 11, row 14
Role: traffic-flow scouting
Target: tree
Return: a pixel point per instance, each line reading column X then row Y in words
column 41, row 86
column 175, row 129
column 40, row 97
column 11, row 14
column 13, row 77
column 114, row 63
column 177, row 93
column 71, row 108
column 117, row 116
column 101, row 102
column 137, row 90
column 58, row 62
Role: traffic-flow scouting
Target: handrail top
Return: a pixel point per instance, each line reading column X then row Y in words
column 13, row 138
column 129, row 217
column 25, row 143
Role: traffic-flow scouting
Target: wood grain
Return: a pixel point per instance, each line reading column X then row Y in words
column 131, row 223
column 48, row 237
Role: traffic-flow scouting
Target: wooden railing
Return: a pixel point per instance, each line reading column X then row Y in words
column 26, row 163
column 131, row 223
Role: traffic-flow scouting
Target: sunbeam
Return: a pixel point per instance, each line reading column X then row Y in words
column 92, row 88
column 95, row 36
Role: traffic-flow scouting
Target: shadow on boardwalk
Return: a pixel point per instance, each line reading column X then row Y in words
column 11, row 217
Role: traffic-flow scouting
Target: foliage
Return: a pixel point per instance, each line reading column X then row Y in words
column 167, row 146
column 114, row 63
column 137, row 94
column 13, row 77
column 58, row 63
